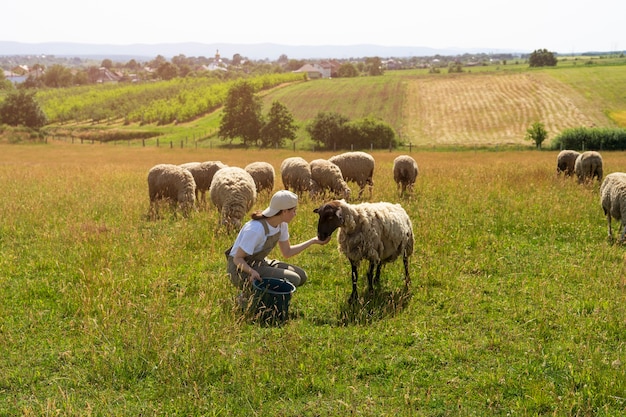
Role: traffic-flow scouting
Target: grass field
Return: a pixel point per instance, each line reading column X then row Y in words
column 516, row 308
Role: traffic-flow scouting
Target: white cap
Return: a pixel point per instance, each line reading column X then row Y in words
column 282, row 200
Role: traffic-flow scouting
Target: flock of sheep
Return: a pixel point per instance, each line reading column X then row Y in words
column 589, row 166
column 376, row 232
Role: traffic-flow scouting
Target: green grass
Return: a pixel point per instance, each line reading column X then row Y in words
column 516, row 307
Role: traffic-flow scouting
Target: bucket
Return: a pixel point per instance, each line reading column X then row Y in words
column 271, row 299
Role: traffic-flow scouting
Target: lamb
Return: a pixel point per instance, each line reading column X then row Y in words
column 233, row 192
column 296, row 174
column 405, row 172
column 377, row 232
column 357, row 167
column 263, row 175
column 588, row 165
column 613, row 201
column 565, row 161
column 327, row 176
column 203, row 173
column 173, row 183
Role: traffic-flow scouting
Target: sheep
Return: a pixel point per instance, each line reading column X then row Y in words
column 233, row 192
column 588, row 165
column 327, row 176
column 565, row 161
column 613, row 201
column 203, row 173
column 377, row 232
column 263, row 175
column 357, row 167
column 405, row 172
column 296, row 174
column 173, row 183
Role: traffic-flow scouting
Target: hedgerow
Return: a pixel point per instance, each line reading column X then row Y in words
column 602, row 138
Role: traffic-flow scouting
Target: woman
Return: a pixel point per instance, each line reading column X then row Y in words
column 247, row 257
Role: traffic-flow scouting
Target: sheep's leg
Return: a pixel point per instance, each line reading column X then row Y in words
column 608, row 219
column 355, row 277
column 407, row 278
column 371, row 278
column 621, row 238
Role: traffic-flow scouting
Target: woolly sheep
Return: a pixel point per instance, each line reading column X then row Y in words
column 565, row 161
column 234, row 193
column 588, row 165
column 263, row 175
column 613, row 201
column 173, row 183
column 376, row 232
column 296, row 174
column 327, row 176
column 203, row 173
column 357, row 167
column 405, row 172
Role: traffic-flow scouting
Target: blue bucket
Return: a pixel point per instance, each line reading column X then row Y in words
column 271, row 299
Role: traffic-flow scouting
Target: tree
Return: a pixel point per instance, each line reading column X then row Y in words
column 327, row 128
column 21, row 109
column 542, row 58
column 58, row 76
column 347, row 70
column 167, row 71
column 537, row 133
column 279, row 126
column 374, row 66
column 241, row 116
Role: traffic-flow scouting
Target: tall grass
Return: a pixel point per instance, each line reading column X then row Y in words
column 516, row 307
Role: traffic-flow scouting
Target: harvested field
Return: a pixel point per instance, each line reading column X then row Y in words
column 492, row 109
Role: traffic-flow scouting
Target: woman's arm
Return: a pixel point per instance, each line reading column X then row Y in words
column 242, row 265
column 288, row 251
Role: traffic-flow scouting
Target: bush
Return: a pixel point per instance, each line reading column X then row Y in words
column 587, row 138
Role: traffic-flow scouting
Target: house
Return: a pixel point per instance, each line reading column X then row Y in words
column 312, row 71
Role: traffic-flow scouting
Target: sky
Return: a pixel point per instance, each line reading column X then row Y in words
column 561, row 26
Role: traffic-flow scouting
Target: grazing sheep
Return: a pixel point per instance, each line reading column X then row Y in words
column 263, row 175
column 357, row 167
column 405, row 172
column 613, row 201
column 296, row 174
column 588, row 165
column 172, row 183
column 377, row 232
column 234, row 193
column 203, row 173
column 565, row 161
column 327, row 176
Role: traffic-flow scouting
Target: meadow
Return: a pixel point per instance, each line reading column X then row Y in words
column 516, row 306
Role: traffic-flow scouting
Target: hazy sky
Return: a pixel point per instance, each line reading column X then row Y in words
column 557, row 25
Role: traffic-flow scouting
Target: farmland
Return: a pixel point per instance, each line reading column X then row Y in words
column 486, row 107
column 516, row 306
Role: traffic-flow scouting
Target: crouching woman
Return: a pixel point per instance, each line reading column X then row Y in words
column 247, row 258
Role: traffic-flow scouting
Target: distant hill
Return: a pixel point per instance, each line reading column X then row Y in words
column 251, row 51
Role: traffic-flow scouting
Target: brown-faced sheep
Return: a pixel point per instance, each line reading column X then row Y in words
column 588, row 166
column 203, row 173
column 357, row 167
column 613, row 201
column 296, row 174
column 327, row 177
column 234, row 193
column 376, row 232
column 171, row 183
column 405, row 173
column 565, row 162
column 263, row 175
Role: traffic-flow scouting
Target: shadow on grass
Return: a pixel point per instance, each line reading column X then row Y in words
column 373, row 306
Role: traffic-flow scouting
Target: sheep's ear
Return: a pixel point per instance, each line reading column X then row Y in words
column 317, row 210
column 339, row 214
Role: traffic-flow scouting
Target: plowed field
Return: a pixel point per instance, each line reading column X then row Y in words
column 492, row 109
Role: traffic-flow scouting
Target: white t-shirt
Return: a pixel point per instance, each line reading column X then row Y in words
column 251, row 237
